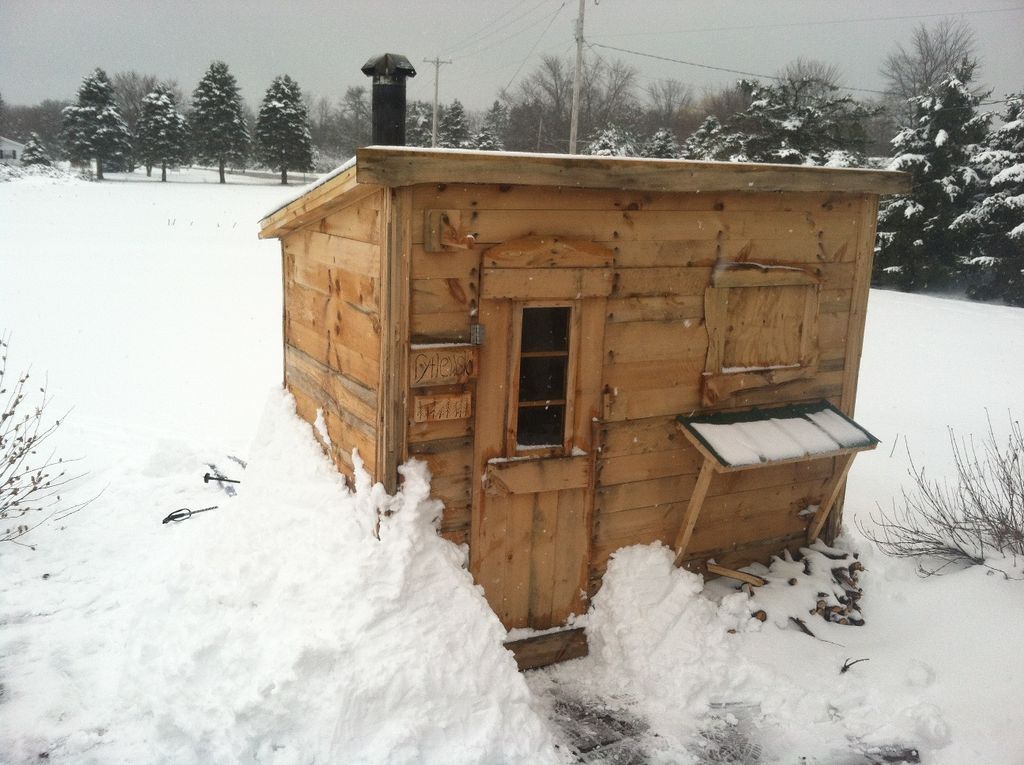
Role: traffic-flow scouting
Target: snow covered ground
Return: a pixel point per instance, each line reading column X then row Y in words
column 287, row 626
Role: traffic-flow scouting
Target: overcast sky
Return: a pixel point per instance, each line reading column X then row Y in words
column 46, row 46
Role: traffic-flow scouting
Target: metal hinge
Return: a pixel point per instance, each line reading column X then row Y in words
column 476, row 334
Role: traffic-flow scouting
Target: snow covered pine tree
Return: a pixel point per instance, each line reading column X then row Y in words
column 35, row 152
column 453, row 130
column 219, row 134
column 283, row 139
column 163, row 135
column 93, row 128
column 918, row 247
column 994, row 225
column 613, row 141
column 490, row 136
column 796, row 122
column 661, row 145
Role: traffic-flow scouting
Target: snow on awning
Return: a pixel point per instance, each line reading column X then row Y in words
column 790, row 433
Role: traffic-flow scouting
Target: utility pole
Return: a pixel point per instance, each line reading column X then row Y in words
column 437, row 74
column 576, row 81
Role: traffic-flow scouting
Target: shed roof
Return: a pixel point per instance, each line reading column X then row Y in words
column 406, row 166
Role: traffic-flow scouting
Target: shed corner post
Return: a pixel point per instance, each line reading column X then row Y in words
column 396, row 235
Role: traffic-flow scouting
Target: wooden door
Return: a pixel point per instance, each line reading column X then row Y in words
column 542, row 309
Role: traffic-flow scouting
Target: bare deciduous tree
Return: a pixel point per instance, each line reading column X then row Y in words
column 539, row 108
column 668, row 103
column 933, row 53
column 810, row 78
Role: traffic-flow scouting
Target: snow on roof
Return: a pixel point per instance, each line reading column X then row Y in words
column 782, row 433
column 303, row 190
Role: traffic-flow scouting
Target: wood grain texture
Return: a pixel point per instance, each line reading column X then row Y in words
column 487, row 196
column 334, row 193
column 693, row 508
column 543, row 650
column 403, row 166
column 531, row 476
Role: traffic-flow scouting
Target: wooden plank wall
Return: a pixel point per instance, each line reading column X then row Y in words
column 332, row 325
column 655, row 344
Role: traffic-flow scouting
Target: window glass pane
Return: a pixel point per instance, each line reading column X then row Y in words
column 545, row 329
column 542, row 378
column 541, row 425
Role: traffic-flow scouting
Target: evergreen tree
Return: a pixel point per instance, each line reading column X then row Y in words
column 918, row 249
column 794, row 122
column 613, row 141
column 706, row 142
column 417, row 123
column 283, row 139
column 453, row 130
column 994, row 225
column 219, row 134
column 485, row 139
column 661, row 145
column 35, row 152
column 92, row 128
column 163, row 135
column 490, row 136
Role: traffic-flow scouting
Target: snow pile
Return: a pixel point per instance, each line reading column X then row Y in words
column 46, row 174
column 692, row 661
column 277, row 629
column 653, row 634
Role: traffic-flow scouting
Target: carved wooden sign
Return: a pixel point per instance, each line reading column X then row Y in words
column 441, row 365
column 444, row 406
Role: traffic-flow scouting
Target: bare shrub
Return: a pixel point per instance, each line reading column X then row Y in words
column 31, row 478
column 964, row 522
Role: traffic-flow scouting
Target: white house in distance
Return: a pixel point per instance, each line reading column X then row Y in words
column 10, row 151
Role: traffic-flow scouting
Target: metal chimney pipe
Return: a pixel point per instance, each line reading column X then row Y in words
column 389, row 72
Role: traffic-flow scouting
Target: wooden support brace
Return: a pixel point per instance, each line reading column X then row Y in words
column 831, row 493
column 700, row 491
column 740, row 576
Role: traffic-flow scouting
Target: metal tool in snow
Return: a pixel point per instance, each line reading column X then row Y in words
column 224, row 481
column 207, row 477
column 184, row 513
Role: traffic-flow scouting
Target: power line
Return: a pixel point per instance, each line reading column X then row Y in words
column 491, row 46
column 471, row 38
column 718, row 68
column 498, row 29
column 535, row 44
column 820, row 23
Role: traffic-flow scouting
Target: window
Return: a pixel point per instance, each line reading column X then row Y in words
column 762, row 329
column 543, row 378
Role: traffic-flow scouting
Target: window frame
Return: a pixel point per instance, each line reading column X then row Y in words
column 512, row 447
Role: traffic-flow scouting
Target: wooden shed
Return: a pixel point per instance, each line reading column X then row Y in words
column 589, row 353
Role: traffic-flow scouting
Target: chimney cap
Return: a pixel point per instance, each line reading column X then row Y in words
column 389, row 65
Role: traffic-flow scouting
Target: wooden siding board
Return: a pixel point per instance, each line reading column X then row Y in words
column 395, row 166
column 488, row 196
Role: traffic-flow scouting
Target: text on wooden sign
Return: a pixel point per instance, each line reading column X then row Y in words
column 442, row 365
column 448, row 406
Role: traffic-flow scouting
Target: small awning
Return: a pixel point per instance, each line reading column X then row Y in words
column 734, row 441
column 770, row 436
